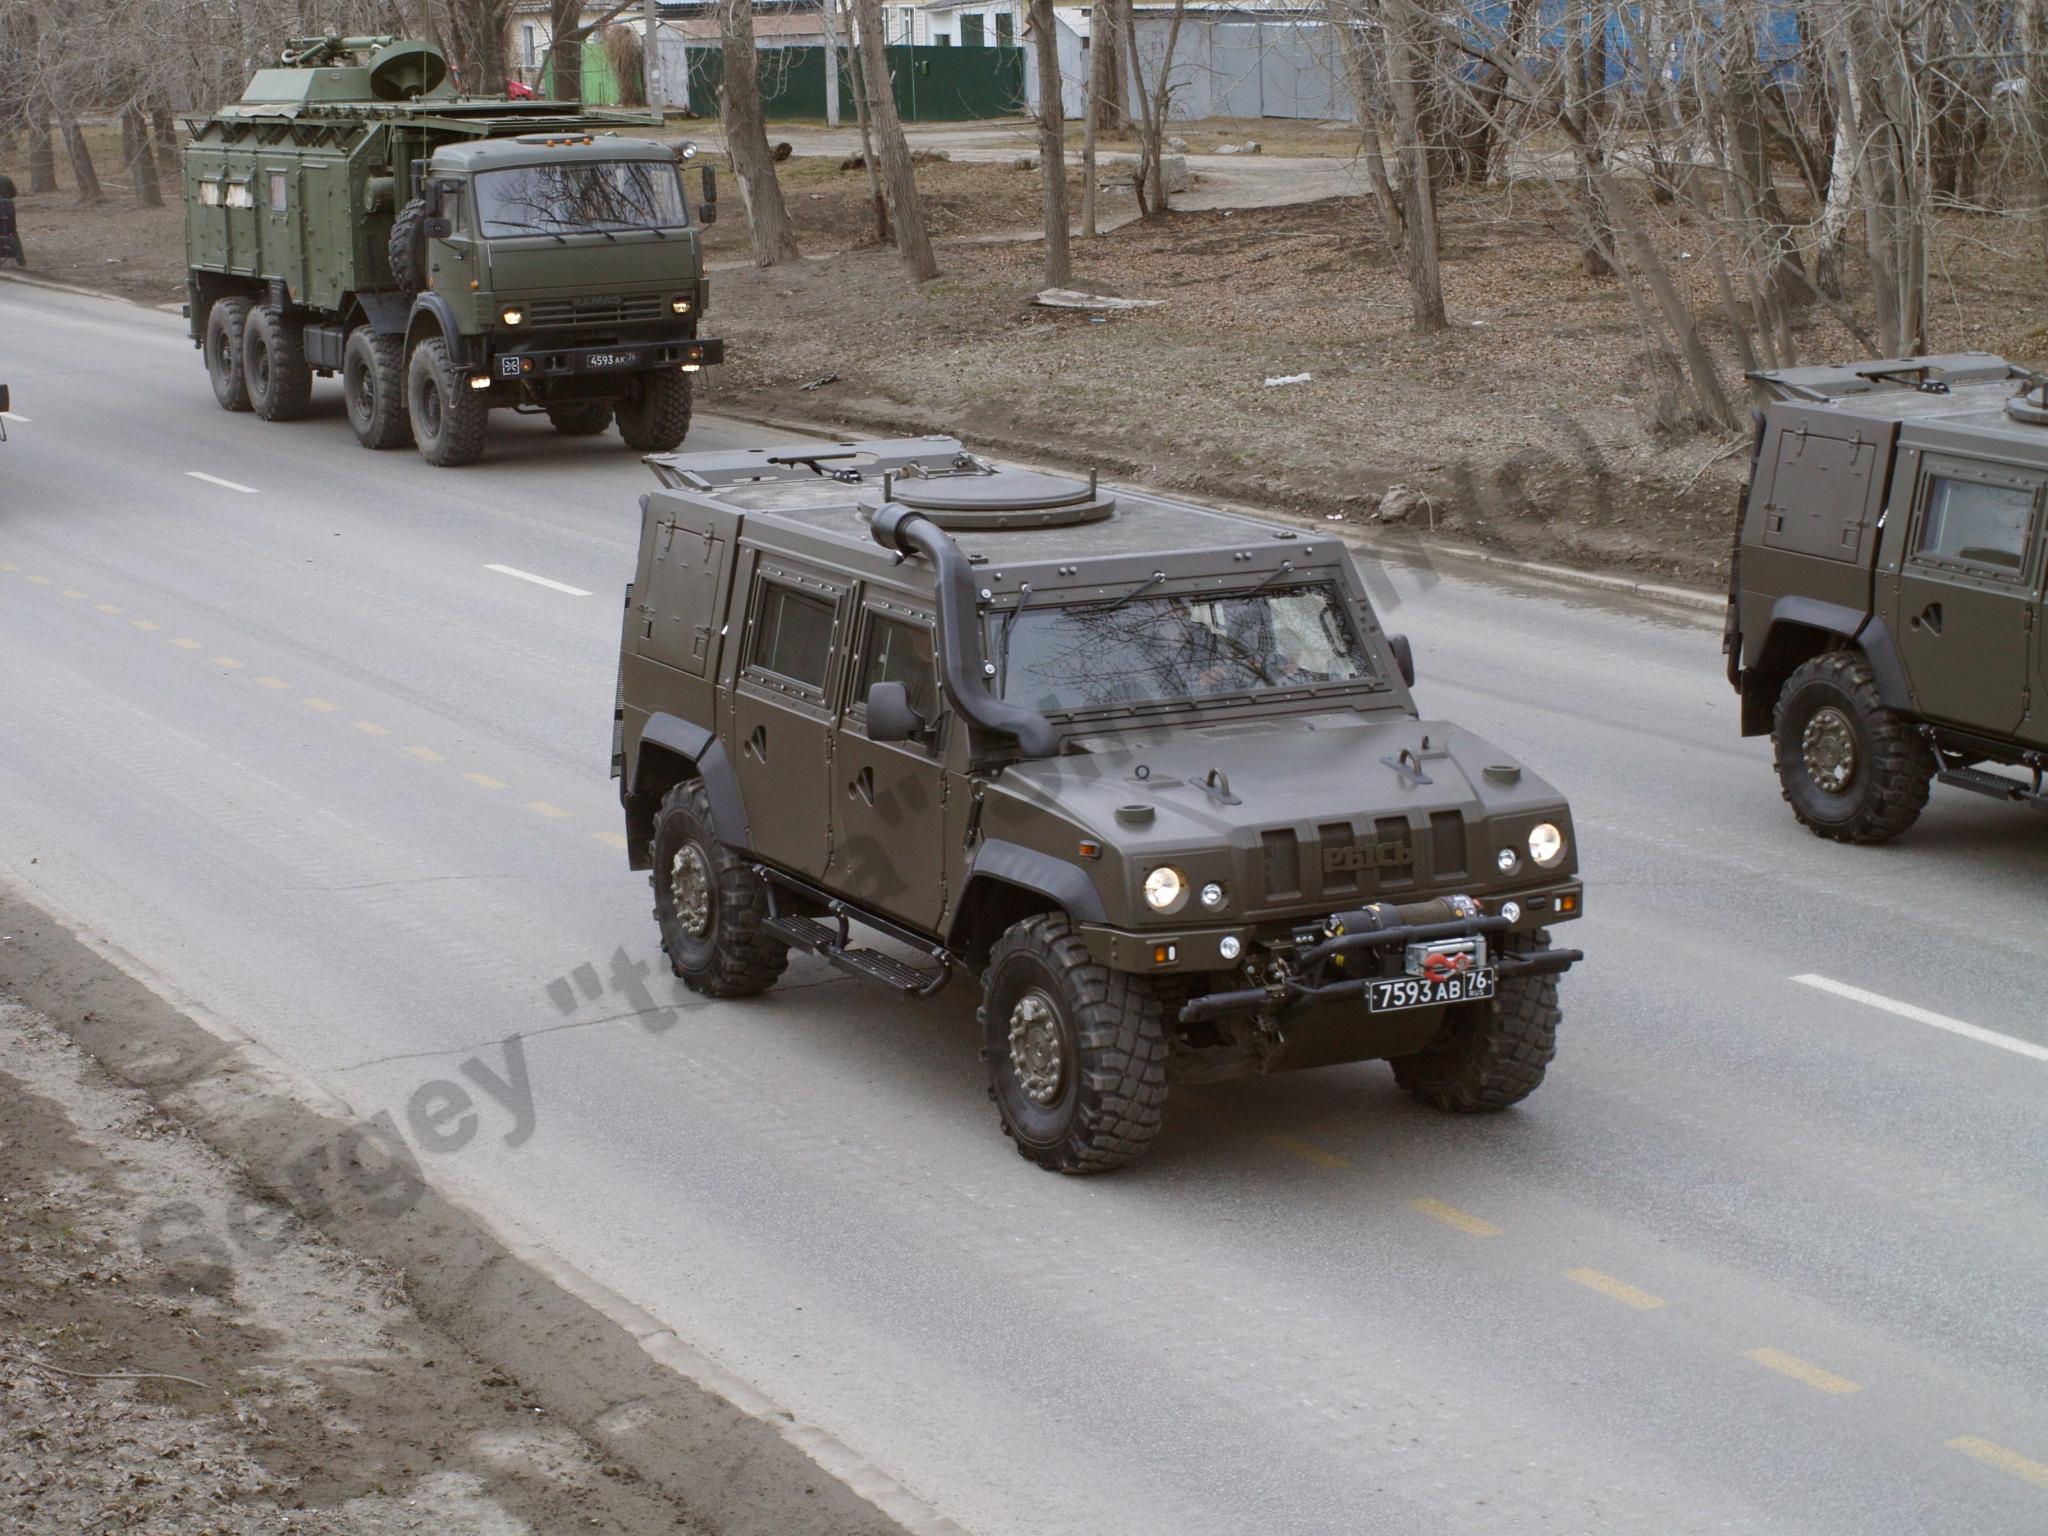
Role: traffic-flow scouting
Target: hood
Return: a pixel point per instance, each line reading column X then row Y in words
column 537, row 266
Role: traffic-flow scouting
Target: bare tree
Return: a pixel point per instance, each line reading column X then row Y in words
column 746, row 138
column 899, row 176
column 857, row 77
column 1150, row 184
column 1052, row 141
column 569, row 25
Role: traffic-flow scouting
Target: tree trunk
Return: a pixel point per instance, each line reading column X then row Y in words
column 565, row 49
column 164, row 129
column 141, row 164
column 746, row 138
column 1052, row 140
column 857, row 77
column 899, row 176
column 82, row 172
column 1418, row 196
column 42, row 153
column 1105, row 37
column 1596, row 62
column 1102, row 108
column 2033, row 31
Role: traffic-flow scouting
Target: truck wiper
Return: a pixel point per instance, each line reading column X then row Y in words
column 1003, row 639
column 539, row 229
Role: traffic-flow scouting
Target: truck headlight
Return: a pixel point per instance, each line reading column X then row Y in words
column 1165, row 889
column 512, row 314
column 1546, row 845
column 680, row 305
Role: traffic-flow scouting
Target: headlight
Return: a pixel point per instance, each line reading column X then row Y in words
column 679, row 305
column 512, row 314
column 1546, row 845
column 1212, row 896
column 1165, row 889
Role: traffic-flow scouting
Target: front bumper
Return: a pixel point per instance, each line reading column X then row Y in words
column 529, row 363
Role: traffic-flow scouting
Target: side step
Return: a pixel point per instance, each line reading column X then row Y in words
column 815, row 938
column 1996, row 785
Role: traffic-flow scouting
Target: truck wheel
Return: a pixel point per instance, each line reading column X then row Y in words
column 709, row 905
column 373, row 384
column 1076, row 1052
column 655, row 418
column 1488, row 1055
column 581, row 418
column 279, row 380
column 407, row 248
column 225, row 323
column 1851, row 769
column 448, row 416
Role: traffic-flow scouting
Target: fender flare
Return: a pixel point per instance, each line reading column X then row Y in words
column 1054, row 879
column 696, row 745
column 1871, row 635
column 432, row 306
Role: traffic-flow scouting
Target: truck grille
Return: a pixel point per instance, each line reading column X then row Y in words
column 598, row 309
column 1342, row 864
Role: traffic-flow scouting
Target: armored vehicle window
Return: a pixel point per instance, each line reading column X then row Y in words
column 897, row 652
column 278, row 184
column 793, row 634
column 584, row 195
column 1975, row 523
column 1162, row 649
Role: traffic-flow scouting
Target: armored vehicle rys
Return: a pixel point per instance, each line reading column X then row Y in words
column 444, row 254
column 1152, row 771
column 1884, row 610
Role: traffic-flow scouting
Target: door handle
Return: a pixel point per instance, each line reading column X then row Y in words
column 1929, row 619
column 757, row 744
column 863, row 785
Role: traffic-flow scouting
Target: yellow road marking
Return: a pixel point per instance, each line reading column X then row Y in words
column 1308, row 1152
column 370, row 728
column 71, row 592
column 543, row 808
column 1450, row 1215
column 1994, row 1455
column 145, row 624
column 267, row 681
column 484, row 781
column 229, row 662
column 1620, row 1290
column 1806, row 1371
column 610, row 839
column 325, row 706
column 108, row 608
column 41, row 581
column 426, row 754
column 184, row 644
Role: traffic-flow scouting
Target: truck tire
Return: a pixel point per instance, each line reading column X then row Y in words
column 655, row 417
column 225, row 323
column 1851, row 770
column 1076, row 1052
column 407, row 247
column 373, row 385
column 279, row 380
column 1488, row 1055
column 448, row 417
column 709, row 905
column 581, row 418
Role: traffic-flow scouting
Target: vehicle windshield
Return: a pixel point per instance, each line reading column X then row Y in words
column 1112, row 654
column 580, row 196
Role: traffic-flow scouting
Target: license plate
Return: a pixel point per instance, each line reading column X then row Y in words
column 613, row 359
column 1423, row 992
column 509, row 367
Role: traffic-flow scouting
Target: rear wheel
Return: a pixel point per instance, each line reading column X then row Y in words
column 1851, row 769
column 581, row 418
column 280, row 382
column 710, row 906
column 1488, row 1055
column 225, row 323
column 373, row 384
column 448, row 416
column 655, row 416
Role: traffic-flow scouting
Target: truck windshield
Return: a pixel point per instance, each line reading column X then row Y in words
column 1113, row 654
column 575, row 196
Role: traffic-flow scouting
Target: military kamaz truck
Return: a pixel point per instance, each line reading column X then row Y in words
column 446, row 255
column 1884, row 620
column 1153, row 772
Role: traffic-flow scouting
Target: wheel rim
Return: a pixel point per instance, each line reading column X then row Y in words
column 689, row 887
column 430, row 409
column 1829, row 747
column 1036, row 1052
column 259, row 367
column 222, row 354
column 364, row 394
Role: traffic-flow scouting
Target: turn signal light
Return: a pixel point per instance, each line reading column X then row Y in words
column 1567, row 903
column 1090, row 849
column 1164, row 954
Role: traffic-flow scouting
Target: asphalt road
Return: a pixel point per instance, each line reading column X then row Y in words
column 1759, row 1257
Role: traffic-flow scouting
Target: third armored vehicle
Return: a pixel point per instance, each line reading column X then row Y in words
column 1885, row 620
column 1152, row 771
column 444, row 254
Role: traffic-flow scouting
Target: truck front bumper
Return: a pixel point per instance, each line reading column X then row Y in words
column 529, row 363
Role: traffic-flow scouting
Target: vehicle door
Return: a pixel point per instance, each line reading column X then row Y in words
column 782, row 712
column 452, row 263
column 889, row 797
column 1968, row 589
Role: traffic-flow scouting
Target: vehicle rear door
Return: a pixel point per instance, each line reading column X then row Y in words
column 1969, row 588
column 782, row 712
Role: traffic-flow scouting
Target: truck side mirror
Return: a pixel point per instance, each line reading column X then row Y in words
column 1404, row 657
column 707, row 211
column 438, row 225
column 890, row 717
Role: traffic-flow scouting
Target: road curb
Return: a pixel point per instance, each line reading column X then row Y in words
column 702, row 1435
column 29, row 281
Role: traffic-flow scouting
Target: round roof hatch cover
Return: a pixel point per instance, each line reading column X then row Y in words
column 991, row 499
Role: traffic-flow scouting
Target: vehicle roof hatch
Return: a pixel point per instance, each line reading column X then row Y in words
column 970, row 494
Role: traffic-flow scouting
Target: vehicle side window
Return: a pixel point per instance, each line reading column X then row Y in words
column 793, row 634
column 898, row 652
column 1975, row 522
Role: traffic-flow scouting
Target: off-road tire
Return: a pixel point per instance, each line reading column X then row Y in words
column 274, row 366
column 1488, row 1055
column 1112, row 1030
column 734, row 956
column 1893, row 765
column 225, row 323
column 407, row 247
column 581, row 418
column 655, row 417
column 448, row 417
column 373, row 385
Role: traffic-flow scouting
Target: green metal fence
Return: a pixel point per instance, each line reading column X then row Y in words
column 933, row 85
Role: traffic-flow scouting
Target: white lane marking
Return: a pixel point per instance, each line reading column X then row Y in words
column 538, row 581
column 10, row 416
column 1926, row 1016
column 200, row 474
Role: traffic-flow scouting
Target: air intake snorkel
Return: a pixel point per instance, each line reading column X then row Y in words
column 963, row 661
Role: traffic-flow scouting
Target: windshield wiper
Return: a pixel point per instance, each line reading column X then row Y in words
column 1286, row 569
column 1003, row 639
column 539, row 229
column 1144, row 586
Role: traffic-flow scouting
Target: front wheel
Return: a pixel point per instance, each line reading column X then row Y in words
column 448, row 416
column 1076, row 1052
column 655, row 416
column 1850, row 769
column 1488, row 1055
column 710, row 906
